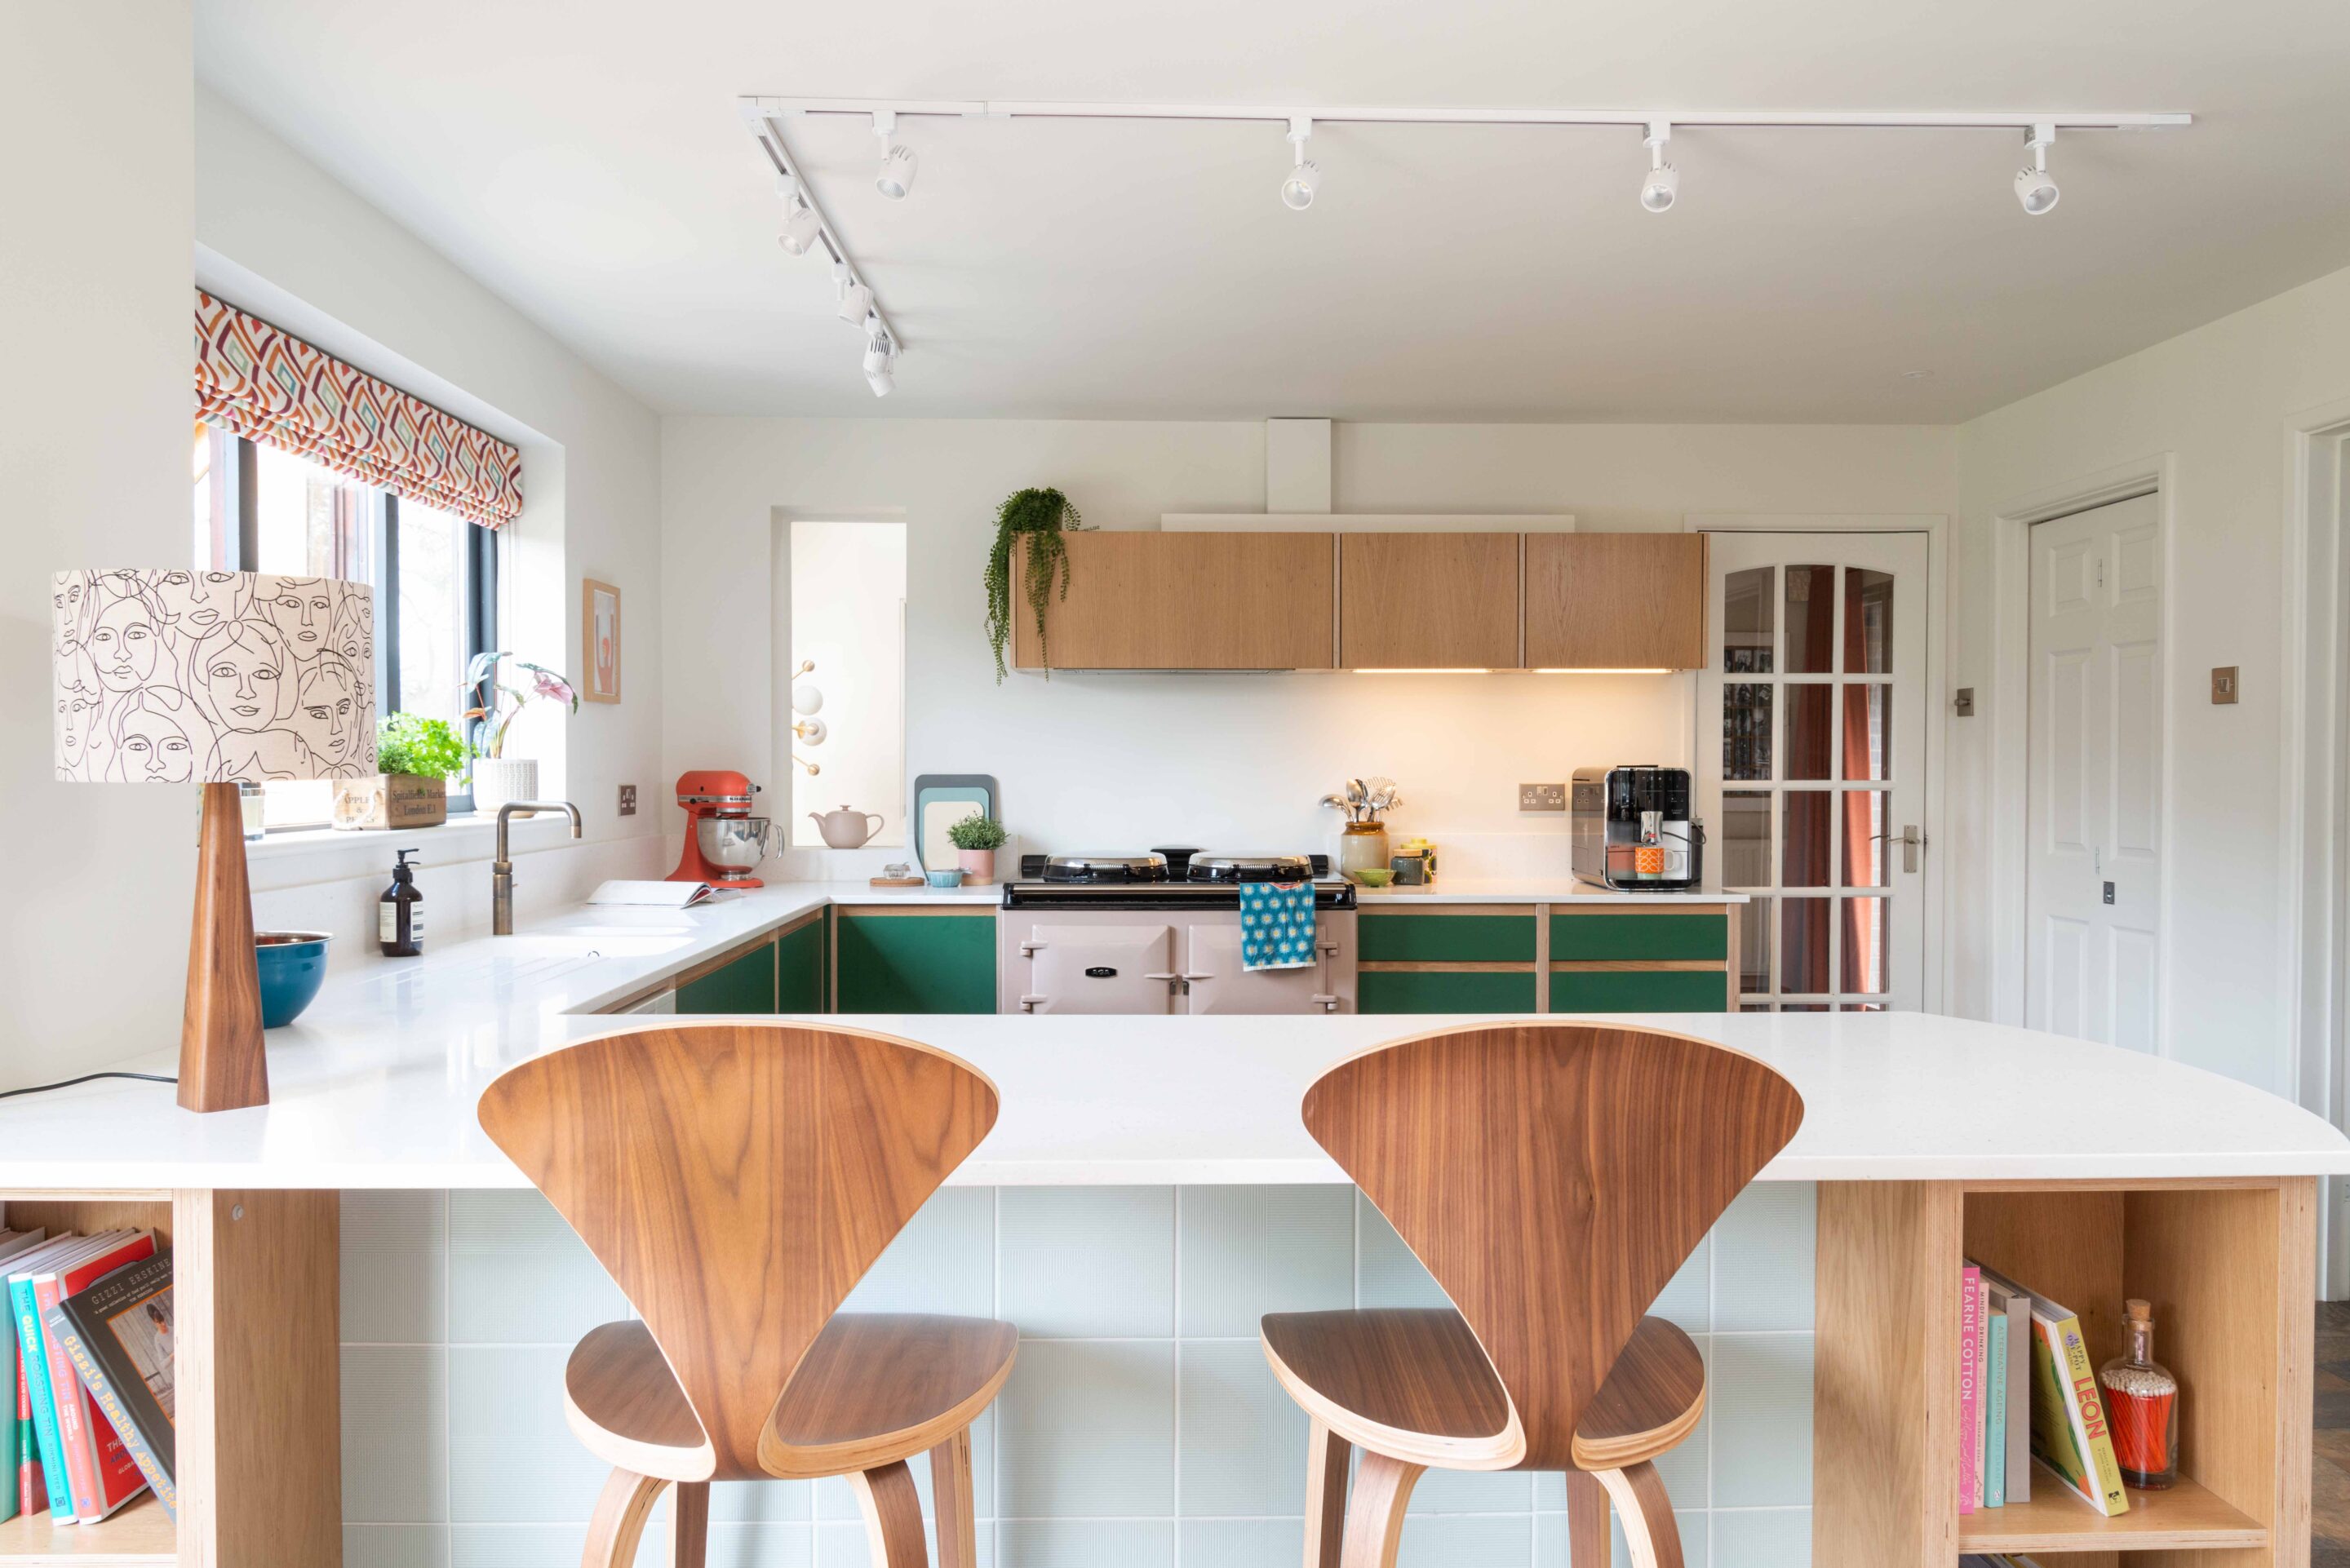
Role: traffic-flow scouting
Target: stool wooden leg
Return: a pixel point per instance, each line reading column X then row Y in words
column 619, row 1523
column 689, row 1524
column 1375, row 1511
column 953, row 1503
column 1648, row 1514
column 1586, row 1521
column 893, row 1517
column 1327, row 1456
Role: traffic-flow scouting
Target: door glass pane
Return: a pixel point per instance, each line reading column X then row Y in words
column 1746, row 732
column 1746, row 839
column 1867, row 622
column 1867, row 858
column 1746, row 622
column 1811, row 733
column 1868, row 738
column 1803, row 944
column 1754, row 948
column 1866, row 926
column 1804, row 1007
column 1811, row 620
column 1804, row 839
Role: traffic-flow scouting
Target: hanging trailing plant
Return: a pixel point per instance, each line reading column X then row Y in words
column 1044, row 515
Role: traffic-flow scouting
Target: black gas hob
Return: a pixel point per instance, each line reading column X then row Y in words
column 1180, row 879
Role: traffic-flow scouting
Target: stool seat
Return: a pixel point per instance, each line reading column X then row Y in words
column 873, row 1389
column 1413, row 1382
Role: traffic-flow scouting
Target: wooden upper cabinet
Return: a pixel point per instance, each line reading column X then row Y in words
column 1150, row 600
column 1615, row 601
column 1427, row 601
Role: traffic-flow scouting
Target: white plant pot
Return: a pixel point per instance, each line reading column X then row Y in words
column 497, row 779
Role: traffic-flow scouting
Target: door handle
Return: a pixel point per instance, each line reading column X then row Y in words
column 1190, row 976
column 1162, row 976
column 1329, row 1003
column 1910, row 840
column 1028, row 1003
column 1028, row 950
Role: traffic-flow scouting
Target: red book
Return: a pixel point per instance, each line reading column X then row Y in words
column 100, row 1470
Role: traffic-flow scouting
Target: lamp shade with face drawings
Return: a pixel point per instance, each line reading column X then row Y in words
column 182, row 677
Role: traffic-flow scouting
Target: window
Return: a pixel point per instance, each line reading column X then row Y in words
column 260, row 509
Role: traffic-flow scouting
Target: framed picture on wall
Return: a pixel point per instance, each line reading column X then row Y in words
column 600, row 634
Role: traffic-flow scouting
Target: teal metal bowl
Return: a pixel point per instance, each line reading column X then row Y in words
column 293, row 966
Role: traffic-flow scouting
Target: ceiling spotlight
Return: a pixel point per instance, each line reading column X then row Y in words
column 882, row 381
column 801, row 228
column 1305, row 175
column 879, row 353
column 2034, row 188
column 856, row 304
column 897, row 176
column 1664, row 183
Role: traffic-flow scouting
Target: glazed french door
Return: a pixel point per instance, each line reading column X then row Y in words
column 1811, row 764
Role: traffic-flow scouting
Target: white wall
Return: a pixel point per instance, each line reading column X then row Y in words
column 1112, row 761
column 98, row 350
column 2215, row 402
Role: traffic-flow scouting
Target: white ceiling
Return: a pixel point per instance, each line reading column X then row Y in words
column 584, row 159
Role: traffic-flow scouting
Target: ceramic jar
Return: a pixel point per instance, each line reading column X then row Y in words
column 1363, row 847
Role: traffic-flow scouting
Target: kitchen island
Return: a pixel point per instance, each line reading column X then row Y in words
column 1148, row 1190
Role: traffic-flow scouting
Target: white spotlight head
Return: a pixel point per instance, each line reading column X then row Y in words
column 1305, row 175
column 2034, row 188
column 879, row 352
column 897, row 176
column 1663, row 185
column 883, row 381
column 856, row 304
column 801, row 227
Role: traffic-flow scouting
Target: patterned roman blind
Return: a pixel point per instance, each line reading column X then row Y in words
column 269, row 386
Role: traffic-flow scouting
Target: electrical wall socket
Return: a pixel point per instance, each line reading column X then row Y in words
column 1541, row 797
column 628, row 800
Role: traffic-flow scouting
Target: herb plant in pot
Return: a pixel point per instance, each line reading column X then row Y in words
column 976, row 839
column 492, row 706
column 419, row 756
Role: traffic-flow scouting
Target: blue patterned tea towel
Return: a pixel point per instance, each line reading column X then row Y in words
column 1276, row 925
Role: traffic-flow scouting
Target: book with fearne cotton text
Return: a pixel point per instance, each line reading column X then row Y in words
column 120, row 1333
column 2068, row 1419
column 1970, row 1385
column 102, row 1472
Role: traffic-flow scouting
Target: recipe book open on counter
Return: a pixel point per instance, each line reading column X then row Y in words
column 654, row 895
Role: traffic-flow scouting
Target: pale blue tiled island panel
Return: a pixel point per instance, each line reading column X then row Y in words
column 1141, row 1427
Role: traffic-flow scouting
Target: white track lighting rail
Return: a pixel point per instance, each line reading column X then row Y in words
column 765, row 129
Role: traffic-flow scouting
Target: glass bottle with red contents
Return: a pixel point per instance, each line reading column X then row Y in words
column 2141, row 1406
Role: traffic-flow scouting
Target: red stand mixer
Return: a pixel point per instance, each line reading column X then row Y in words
column 723, row 842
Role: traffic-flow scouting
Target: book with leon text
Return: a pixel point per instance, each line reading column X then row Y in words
column 121, row 1332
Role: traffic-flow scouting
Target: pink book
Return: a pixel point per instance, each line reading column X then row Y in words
column 1970, row 1296
column 100, row 1470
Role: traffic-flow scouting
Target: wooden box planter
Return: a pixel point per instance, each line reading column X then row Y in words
column 391, row 800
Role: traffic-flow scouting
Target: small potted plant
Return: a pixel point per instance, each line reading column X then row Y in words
column 419, row 756
column 498, row 778
column 976, row 839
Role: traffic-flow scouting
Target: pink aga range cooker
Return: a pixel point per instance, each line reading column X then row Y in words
column 1134, row 933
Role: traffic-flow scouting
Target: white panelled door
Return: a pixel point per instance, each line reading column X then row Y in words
column 2093, row 871
column 1811, row 764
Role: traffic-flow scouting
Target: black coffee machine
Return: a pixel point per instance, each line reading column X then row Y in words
column 1633, row 830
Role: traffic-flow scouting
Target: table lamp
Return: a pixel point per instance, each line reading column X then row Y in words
column 215, row 679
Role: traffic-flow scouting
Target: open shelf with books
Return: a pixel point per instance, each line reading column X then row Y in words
column 254, row 1352
column 2228, row 1267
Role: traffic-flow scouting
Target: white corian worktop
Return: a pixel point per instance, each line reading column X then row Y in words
column 375, row 1085
column 1526, row 891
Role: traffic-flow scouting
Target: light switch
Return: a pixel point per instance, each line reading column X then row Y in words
column 1963, row 704
column 2223, row 683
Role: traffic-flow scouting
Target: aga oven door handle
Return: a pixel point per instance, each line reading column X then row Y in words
column 1329, row 1003
column 1028, row 950
column 1028, row 1003
column 1189, row 976
column 1169, row 977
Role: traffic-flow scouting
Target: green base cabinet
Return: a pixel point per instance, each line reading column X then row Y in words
column 910, row 962
column 744, row 984
column 800, row 968
column 1639, row 990
column 1444, row 939
column 1602, row 937
column 1444, row 990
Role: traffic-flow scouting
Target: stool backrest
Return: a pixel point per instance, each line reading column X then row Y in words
column 736, row 1180
column 1552, row 1178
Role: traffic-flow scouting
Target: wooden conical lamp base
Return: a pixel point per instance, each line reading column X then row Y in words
column 222, row 1067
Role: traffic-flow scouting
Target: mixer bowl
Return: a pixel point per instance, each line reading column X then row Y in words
column 737, row 843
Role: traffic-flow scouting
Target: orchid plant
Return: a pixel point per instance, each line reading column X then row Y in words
column 488, row 719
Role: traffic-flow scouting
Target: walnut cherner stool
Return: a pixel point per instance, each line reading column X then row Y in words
column 736, row 1180
column 1552, row 1176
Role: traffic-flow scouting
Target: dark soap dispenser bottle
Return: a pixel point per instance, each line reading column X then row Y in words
column 400, row 913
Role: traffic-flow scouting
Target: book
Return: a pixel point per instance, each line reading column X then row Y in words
column 31, row 1486
column 2016, row 1302
column 1979, row 1433
column 71, row 1455
column 1970, row 1384
column 2068, row 1420
column 33, row 1368
column 123, row 1325
column 12, row 1473
column 102, row 1475
column 653, row 895
column 1995, row 1403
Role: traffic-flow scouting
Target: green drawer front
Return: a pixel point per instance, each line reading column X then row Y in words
column 800, row 970
column 916, row 963
column 1445, row 939
column 1639, row 991
column 746, row 985
column 1605, row 937
column 1444, row 990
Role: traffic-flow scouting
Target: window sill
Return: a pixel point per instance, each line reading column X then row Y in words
column 295, row 857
